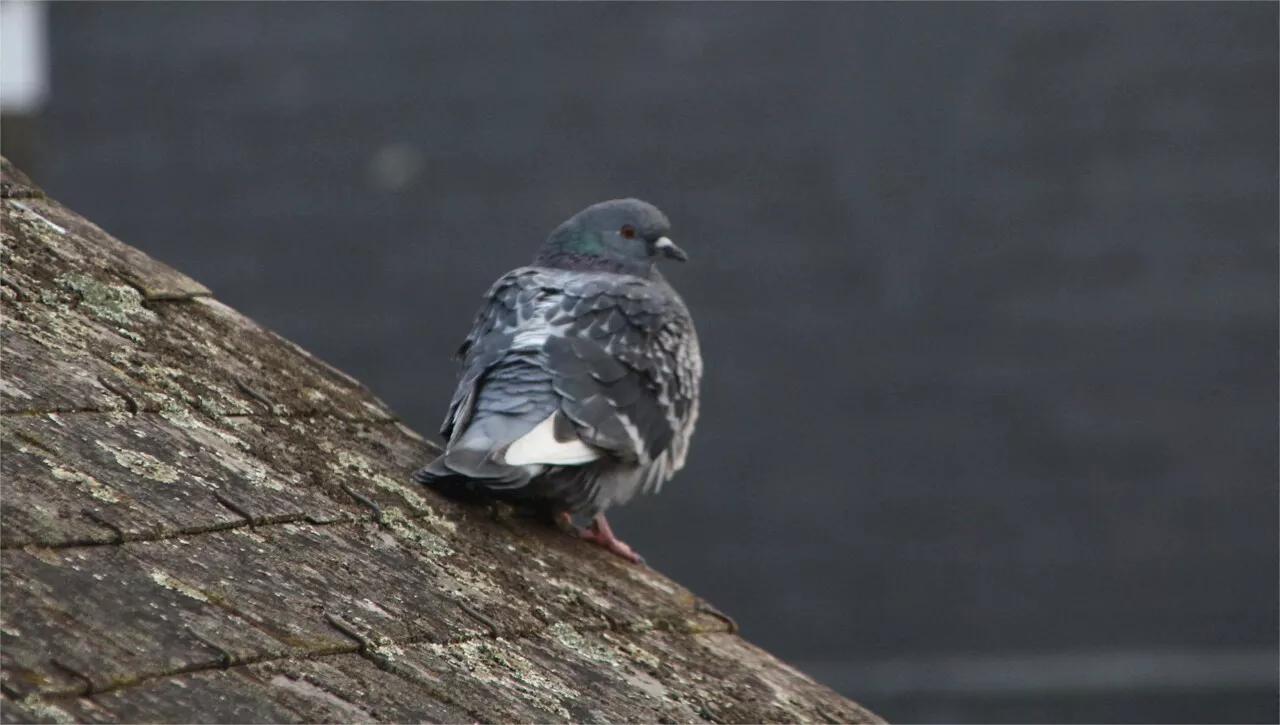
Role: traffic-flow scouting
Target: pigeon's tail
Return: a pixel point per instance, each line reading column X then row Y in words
column 516, row 442
column 454, row 474
column 492, row 450
column 583, row 490
column 474, row 460
column 439, row 477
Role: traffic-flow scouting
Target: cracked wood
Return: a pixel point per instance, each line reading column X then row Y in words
column 201, row 520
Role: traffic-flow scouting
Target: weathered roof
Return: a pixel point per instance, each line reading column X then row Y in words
column 203, row 522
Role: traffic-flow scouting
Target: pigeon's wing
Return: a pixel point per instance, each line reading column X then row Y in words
column 627, row 369
column 622, row 361
column 507, row 303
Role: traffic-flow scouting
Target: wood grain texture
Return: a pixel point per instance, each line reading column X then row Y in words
column 203, row 522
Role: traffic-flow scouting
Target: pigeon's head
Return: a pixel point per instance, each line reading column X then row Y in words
column 625, row 235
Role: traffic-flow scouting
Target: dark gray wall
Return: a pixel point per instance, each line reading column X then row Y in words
column 987, row 293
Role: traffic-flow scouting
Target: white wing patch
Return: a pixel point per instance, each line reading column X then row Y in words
column 540, row 446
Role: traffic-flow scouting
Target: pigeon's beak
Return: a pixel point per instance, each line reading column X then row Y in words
column 668, row 249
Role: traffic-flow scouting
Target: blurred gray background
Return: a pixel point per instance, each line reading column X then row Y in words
column 987, row 292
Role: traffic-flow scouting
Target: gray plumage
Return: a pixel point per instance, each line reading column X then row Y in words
column 581, row 373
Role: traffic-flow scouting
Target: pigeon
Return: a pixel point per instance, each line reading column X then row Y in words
column 580, row 376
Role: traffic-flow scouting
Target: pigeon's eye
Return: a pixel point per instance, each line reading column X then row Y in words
column 628, row 232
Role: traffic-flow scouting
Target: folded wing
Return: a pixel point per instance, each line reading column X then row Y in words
column 565, row 370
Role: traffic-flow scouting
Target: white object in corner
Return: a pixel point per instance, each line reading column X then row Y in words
column 24, row 57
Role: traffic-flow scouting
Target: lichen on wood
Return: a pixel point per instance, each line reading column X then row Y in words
column 201, row 521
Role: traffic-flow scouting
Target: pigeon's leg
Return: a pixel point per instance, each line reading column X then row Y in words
column 599, row 532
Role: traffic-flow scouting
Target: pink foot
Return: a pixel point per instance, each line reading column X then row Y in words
column 600, row 533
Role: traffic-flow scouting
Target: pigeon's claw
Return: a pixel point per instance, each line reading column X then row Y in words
column 600, row 533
